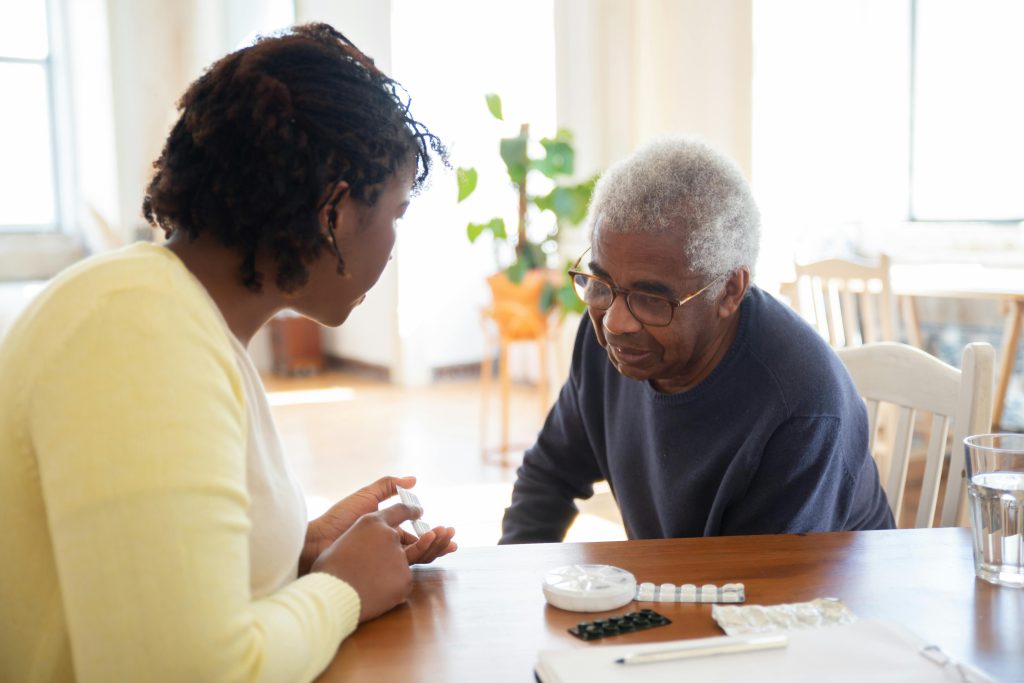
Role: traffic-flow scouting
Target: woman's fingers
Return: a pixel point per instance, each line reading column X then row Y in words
column 384, row 488
column 431, row 545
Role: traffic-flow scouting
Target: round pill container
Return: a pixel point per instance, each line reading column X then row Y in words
column 589, row 587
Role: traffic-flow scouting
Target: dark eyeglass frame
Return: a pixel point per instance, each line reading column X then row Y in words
column 674, row 303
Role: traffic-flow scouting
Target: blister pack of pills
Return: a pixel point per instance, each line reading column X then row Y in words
column 410, row 499
column 688, row 592
column 623, row 623
column 753, row 619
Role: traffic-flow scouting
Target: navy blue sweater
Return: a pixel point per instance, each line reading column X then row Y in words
column 774, row 440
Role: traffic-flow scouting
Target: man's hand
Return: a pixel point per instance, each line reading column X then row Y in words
column 327, row 528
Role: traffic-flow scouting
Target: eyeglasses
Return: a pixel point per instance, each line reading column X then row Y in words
column 649, row 309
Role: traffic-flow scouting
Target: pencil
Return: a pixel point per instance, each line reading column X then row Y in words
column 704, row 649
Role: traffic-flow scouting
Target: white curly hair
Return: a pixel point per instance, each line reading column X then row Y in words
column 683, row 184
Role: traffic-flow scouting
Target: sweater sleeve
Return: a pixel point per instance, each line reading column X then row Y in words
column 138, row 426
column 559, row 468
column 801, row 483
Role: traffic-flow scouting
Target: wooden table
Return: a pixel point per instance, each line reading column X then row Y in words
column 480, row 615
column 969, row 281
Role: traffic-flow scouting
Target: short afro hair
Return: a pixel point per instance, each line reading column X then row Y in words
column 680, row 183
column 262, row 135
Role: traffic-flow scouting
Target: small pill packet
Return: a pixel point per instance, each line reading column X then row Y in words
column 689, row 592
column 752, row 619
column 410, row 499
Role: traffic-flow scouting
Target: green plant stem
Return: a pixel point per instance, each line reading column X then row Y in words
column 524, row 130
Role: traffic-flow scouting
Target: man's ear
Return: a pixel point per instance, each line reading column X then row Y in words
column 333, row 208
column 735, row 289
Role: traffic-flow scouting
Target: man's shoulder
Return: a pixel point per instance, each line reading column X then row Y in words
column 806, row 370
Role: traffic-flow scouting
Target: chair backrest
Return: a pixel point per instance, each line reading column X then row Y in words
column 849, row 303
column 912, row 380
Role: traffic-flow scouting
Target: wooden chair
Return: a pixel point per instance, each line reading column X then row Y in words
column 914, row 381
column 851, row 303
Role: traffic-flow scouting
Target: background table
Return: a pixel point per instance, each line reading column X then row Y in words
column 480, row 615
column 968, row 281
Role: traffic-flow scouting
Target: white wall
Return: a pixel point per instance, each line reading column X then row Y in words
column 628, row 72
column 370, row 334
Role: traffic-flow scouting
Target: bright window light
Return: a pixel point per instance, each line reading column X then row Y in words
column 969, row 111
column 26, row 166
column 28, row 197
column 441, row 276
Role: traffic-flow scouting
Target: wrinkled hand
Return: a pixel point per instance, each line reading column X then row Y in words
column 370, row 557
column 327, row 528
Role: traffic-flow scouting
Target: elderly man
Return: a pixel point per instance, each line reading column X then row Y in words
column 708, row 406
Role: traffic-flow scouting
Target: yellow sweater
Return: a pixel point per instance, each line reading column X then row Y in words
column 124, row 537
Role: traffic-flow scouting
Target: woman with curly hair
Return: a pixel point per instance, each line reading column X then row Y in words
column 152, row 528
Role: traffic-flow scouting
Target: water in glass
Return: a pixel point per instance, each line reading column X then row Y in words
column 995, row 487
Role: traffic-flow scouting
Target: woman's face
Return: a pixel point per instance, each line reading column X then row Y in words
column 365, row 236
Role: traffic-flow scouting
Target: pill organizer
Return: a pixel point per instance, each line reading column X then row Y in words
column 688, row 592
column 589, row 587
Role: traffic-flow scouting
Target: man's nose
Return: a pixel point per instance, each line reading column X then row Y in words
column 618, row 319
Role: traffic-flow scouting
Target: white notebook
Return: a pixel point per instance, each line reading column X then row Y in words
column 865, row 650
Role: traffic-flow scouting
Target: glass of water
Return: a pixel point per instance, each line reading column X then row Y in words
column 995, row 489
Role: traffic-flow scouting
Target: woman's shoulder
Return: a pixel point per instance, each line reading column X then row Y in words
column 141, row 290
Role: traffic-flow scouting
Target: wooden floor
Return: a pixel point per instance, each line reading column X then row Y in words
column 342, row 431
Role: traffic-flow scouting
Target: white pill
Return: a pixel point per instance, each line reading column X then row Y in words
column 667, row 592
column 708, row 592
column 646, row 591
column 688, row 593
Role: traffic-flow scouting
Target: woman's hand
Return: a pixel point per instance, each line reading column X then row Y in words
column 371, row 558
column 327, row 528
column 430, row 546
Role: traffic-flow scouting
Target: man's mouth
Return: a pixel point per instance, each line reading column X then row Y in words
column 630, row 356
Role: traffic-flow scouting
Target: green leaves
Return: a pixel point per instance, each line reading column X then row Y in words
column 568, row 202
column 466, row 178
column 559, row 156
column 529, row 255
column 494, row 105
column 516, row 272
column 513, row 153
column 495, row 225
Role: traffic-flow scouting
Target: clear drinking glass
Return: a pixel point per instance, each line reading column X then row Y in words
column 995, row 489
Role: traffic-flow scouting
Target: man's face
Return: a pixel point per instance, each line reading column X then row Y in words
column 672, row 358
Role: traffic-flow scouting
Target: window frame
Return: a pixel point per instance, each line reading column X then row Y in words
column 58, row 91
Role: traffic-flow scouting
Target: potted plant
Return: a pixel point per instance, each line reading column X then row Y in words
column 526, row 273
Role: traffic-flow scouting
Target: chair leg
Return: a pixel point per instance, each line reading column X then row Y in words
column 486, row 368
column 542, row 376
column 505, row 408
column 1011, row 336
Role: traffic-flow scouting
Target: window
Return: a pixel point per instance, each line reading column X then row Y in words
column 967, row 159
column 30, row 185
column 886, row 112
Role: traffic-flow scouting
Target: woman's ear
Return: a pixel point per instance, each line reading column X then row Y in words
column 735, row 289
column 332, row 207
